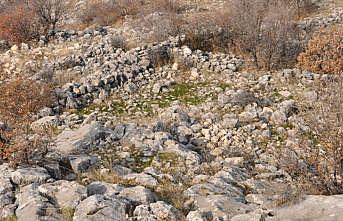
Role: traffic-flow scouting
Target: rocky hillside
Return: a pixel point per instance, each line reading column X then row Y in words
column 165, row 131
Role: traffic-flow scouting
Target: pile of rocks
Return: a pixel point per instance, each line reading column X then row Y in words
column 335, row 17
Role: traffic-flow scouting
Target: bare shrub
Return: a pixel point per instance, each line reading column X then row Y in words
column 49, row 12
column 170, row 6
column 318, row 167
column 119, row 41
column 324, row 52
column 326, row 120
column 160, row 56
column 303, row 7
column 262, row 30
column 110, row 12
column 200, row 31
column 161, row 27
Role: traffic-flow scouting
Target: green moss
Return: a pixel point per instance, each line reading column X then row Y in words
column 190, row 93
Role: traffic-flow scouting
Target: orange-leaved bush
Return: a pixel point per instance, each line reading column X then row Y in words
column 19, row 100
column 324, row 52
column 18, row 24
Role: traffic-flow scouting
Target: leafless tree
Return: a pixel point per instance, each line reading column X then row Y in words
column 49, row 12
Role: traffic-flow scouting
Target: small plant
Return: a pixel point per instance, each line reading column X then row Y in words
column 172, row 193
column 67, row 213
column 109, row 177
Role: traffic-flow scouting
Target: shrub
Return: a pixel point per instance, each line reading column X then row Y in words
column 318, row 166
column 18, row 24
column 326, row 121
column 262, row 30
column 324, row 52
column 170, row 6
column 18, row 101
column 48, row 12
column 21, row 98
column 107, row 13
column 118, row 41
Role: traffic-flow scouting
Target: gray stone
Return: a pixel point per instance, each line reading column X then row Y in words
column 83, row 163
column 70, row 141
column 99, row 207
column 248, row 217
column 103, row 188
column 45, row 122
column 32, row 206
column 143, row 213
column 164, row 211
column 319, row 208
column 139, row 194
column 25, row 176
column 64, row 193
column 220, row 207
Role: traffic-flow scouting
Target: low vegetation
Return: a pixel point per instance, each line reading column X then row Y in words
column 21, row 99
column 324, row 52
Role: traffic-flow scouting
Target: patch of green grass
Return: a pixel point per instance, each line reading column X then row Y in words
column 169, row 157
column 189, row 93
column 109, row 177
column 288, row 126
column 277, row 136
column 224, row 86
column 117, row 108
column 312, row 137
column 186, row 93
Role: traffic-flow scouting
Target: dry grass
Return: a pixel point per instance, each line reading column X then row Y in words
column 318, row 167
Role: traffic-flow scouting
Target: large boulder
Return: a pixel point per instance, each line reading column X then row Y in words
column 32, row 206
column 139, row 195
column 100, row 207
column 64, row 193
column 83, row 138
column 319, row 208
column 220, row 207
column 25, row 176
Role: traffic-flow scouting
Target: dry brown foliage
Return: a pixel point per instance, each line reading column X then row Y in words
column 18, row 24
column 324, row 52
column 317, row 166
column 107, row 13
column 20, row 99
column 170, row 6
column 326, row 120
column 263, row 31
